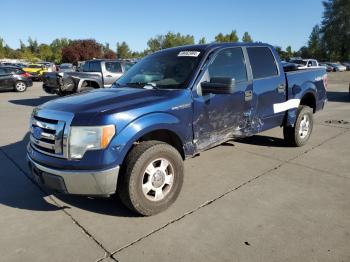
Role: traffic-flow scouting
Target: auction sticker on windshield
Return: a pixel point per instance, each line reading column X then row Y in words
column 189, row 53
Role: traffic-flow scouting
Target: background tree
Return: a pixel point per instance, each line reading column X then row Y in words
column 289, row 52
column 33, row 46
column 247, row 38
column 314, row 43
column 56, row 47
column 45, row 52
column 169, row 40
column 336, row 29
column 80, row 50
column 202, row 40
column 123, row 50
column 232, row 37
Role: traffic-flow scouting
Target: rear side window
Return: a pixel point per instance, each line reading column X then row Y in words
column 113, row 67
column 127, row 66
column 262, row 62
column 2, row 71
column 95, row 66
column 229, row 63
column 16, row 71
column 86, row 67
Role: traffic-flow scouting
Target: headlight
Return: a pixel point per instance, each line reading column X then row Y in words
column 84, row 138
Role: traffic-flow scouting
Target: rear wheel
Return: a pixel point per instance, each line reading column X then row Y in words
column 299, row 134
column 152, row 178
column 20, row 86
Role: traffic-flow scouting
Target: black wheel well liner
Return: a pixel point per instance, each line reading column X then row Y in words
column 309, row 99
column 91, row 83
column 166, row 136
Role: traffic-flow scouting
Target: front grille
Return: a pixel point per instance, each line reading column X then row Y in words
column 47, row 135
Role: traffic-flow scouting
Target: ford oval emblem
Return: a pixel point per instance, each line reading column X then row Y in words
column 37, row 132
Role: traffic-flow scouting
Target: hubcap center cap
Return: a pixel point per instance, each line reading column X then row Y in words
column 158, row 178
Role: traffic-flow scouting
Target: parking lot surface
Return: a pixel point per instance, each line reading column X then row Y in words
column 253, row 199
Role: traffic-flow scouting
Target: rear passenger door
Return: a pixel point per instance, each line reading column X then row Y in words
column 269, row 85
column 113, row 70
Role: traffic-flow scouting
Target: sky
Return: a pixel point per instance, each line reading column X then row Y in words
column 277, row 22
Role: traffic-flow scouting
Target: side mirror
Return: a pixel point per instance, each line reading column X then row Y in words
column 218, row 85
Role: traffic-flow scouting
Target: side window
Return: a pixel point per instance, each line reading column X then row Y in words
column 86, row 67
column 95, row 66
column 229, row 63
column 127, row 66
column 262, row 62
column 113, row 67
column 314, row 63
column 2, row 72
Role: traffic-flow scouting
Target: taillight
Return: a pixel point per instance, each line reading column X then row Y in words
column 325, row 81
column 25, row 74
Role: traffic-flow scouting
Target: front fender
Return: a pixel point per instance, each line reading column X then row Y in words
column 131, row 133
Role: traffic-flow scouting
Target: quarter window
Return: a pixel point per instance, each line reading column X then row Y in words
column 113, row 67
column 95, row 66
column 229, row 63
column 262, row 62
column 86, row 67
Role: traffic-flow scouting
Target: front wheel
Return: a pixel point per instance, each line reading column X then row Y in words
column 20, row 86
column 152, row 178
column 299, row 134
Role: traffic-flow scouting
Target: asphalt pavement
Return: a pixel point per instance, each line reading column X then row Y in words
column 253, row 199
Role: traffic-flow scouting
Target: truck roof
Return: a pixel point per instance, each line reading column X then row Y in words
column 211, row 46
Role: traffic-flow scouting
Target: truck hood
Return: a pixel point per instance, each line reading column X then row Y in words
column 109, row 101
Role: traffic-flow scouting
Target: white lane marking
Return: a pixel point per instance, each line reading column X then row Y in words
column 292, row 103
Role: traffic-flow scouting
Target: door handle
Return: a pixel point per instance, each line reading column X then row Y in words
column 281, row 88
column 248, row 95
column 108, row 76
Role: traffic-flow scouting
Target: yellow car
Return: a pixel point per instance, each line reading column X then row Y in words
column 36, row 70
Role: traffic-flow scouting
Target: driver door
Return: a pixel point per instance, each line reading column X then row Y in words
column 219, row 117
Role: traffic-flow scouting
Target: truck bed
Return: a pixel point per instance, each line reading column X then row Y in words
column 307, row 79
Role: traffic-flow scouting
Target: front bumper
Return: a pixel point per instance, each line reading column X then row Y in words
column 78, row 182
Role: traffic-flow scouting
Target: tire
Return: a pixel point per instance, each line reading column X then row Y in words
column 144, row 178
column 299, row 134
column 20, row 86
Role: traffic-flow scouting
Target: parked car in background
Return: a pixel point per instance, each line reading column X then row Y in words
column 36, row 70
column 66, row 67
column 95, row 74
column 132, row 139
column 305, row 63
column 347, row 65
column 328, row 67
column 14, row 78
column 51, row 67
column 20, row 65
column 336, row 67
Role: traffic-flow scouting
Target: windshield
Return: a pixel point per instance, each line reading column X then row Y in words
column 171, row 69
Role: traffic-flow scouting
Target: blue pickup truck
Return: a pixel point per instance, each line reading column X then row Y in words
column 132, row 139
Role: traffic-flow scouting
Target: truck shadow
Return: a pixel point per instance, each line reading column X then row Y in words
column 343, row 97
column 18, row 189
column 33, row 101
column 261, row 140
